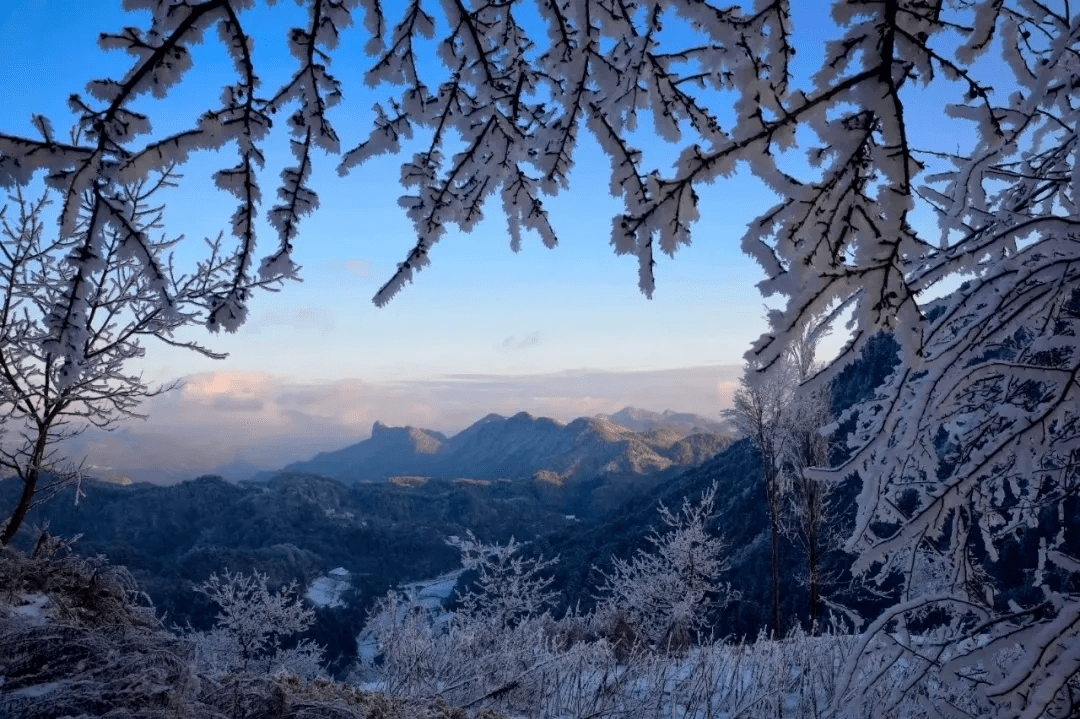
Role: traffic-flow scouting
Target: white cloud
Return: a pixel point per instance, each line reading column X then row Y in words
column 360, row 268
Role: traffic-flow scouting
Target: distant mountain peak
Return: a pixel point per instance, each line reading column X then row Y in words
column 634, row 412
column 643, row 420
column 520, row 446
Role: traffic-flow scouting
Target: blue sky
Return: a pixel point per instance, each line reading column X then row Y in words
column 478, row 308
column 530, row 320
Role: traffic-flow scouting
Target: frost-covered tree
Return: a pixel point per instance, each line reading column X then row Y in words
column 57, row 293
column 508, row 587
column 666, row 591
column 807, row 517
column 785, row 423
column 250, row 628
column 807, row 512
column 973, row 439
column 405, row 643
column 491, row 644
column 761, row 411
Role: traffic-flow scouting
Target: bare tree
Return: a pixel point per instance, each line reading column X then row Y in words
column 807, row 514
column 760, row 411
column 46, row 395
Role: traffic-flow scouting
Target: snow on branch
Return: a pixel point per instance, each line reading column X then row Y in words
column 974, row 436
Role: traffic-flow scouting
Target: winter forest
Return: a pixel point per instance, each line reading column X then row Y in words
column 961, row 244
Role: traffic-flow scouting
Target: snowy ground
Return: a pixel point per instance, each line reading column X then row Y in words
column 327, row 591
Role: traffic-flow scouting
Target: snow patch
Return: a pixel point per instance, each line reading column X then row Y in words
column 326, row 591
column 37, row 690
column 437, row 589
column 32, row 609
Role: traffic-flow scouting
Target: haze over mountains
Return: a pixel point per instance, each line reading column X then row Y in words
column 631, row 442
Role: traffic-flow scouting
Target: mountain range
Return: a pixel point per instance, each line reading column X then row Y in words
column 629, row 443
column 642, row 420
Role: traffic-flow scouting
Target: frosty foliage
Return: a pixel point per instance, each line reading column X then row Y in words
column 79, row 590
column 970, row 450
column 489, row 646
column 499, row 111
column 77, row 639
column 75, row 311
column 665, row 592
column 508, row 587
column 579, row 665
column 573, row 667
column 968, row 455
column 251, row 625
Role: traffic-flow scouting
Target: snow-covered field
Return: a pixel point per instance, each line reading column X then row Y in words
column 327, row 591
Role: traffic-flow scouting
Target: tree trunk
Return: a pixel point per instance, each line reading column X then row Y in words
column 814, row 520
column 772, row 493
column 814, row 560
column 29, row 488
column 775, row 532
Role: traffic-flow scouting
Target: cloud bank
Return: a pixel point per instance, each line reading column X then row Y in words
column 237, row 423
